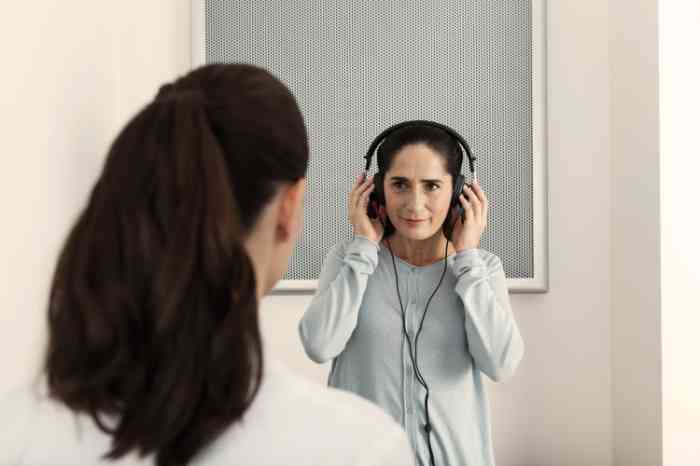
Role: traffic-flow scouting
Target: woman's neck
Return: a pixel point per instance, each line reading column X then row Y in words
column 419, row 252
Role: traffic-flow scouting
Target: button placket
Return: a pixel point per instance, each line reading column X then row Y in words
column 413, row 318
column 406, row 365
column 410, row 376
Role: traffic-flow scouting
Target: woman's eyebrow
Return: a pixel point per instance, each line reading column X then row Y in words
column 424, row 180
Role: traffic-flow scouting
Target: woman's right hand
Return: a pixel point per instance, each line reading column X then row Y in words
column 357, row 210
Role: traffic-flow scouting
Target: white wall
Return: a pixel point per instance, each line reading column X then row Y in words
column 635, row 254
column 679, row 102
column 72, row 73
column 57, row 86
column 153, row 48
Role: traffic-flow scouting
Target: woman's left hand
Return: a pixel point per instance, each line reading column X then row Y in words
column 467, row 234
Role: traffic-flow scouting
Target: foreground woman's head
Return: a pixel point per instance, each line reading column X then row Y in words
column 153, row 325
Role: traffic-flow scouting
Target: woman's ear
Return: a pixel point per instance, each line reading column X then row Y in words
column 290, row 212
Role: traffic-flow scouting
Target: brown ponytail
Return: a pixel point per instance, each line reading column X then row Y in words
column 153, row 307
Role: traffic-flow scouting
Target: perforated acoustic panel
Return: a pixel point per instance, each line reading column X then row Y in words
column 359, row 67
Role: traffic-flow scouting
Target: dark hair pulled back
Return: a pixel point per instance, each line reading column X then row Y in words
column 153, row 324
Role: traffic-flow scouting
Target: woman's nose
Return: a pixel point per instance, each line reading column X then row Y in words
column 415, row 201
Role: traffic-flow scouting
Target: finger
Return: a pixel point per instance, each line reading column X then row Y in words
column 366, row 182
column 465, row 205
column 463, row 201
column 366, row 190
column 484, row 201
column 356, row 190
column 476, row 187
column 367, row 185
column 351, row 197
column 474, row 201
column 359, row 180
column 363, row 198
column 353, row 188
column 468, row 209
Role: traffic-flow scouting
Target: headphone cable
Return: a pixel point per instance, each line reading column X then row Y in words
column 414, row 353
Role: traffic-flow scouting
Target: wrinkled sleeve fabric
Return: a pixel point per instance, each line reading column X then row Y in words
column 330, row 319
column 494, row 340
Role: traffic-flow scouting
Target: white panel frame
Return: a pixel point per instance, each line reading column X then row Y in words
column 540, row 282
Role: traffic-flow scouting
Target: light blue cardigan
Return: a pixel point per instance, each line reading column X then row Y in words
column 355, row 320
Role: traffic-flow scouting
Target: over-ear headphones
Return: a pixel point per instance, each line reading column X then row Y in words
column 377, row 198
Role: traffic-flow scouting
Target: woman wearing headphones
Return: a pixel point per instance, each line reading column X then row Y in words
column 411, row 320
column 154, row 353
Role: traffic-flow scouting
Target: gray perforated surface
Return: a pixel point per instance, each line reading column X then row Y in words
column 359, row 67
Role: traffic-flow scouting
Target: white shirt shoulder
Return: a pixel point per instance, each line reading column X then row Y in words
column 291, row 421
column 296, row 421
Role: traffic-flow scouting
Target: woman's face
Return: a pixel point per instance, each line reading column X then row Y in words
column 417, row 189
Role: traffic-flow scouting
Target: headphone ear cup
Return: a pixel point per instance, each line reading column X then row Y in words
column 372, row 206
column 449, row 222
column 379, row 187
column 458, row 187
column 376, row 197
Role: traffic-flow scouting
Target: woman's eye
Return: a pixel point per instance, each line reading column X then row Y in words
column 399, row 185
column 433, row 186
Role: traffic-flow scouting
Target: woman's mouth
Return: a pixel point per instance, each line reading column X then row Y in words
column 413, row 222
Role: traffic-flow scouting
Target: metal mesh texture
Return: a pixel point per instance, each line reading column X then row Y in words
column 358, row 67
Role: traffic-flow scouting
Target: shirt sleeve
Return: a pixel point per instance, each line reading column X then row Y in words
column 330, row 319
column 494, row 340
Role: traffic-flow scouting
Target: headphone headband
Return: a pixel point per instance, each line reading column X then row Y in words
column 384, row 134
